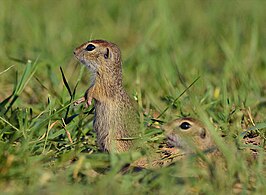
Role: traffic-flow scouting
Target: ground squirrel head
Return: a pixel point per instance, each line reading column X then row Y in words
column 103, row 58
column 188, row 134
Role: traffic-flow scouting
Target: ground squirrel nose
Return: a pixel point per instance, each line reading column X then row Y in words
column 74, row 52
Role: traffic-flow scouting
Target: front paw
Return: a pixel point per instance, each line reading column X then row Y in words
column 83, row 99
column 88, row 103
column 79, row 101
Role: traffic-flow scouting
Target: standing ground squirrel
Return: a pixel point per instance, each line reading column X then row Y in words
column 116, row 120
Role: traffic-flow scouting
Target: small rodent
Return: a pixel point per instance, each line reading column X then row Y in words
column 116, row 121
column 188, row 135
column 184, row 136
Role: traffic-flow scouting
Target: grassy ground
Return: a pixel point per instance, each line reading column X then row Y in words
column 166, row 46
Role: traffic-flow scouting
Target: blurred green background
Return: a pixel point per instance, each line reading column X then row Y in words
column 166, row 45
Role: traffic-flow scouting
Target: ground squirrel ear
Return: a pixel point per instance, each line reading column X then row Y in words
column 202, row 133
column 107, row 54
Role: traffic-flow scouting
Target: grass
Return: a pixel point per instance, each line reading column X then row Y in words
column 48, row 146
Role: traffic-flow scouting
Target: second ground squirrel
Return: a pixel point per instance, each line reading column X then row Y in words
column 184, row 137
column 115, row 120
column 188, row 135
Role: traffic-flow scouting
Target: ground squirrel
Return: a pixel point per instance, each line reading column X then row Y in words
column 188, row 135
column 184, row 136
column 115, row 120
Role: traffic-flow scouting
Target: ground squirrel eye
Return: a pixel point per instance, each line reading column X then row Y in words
column 185, row 125
column 90, row 47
